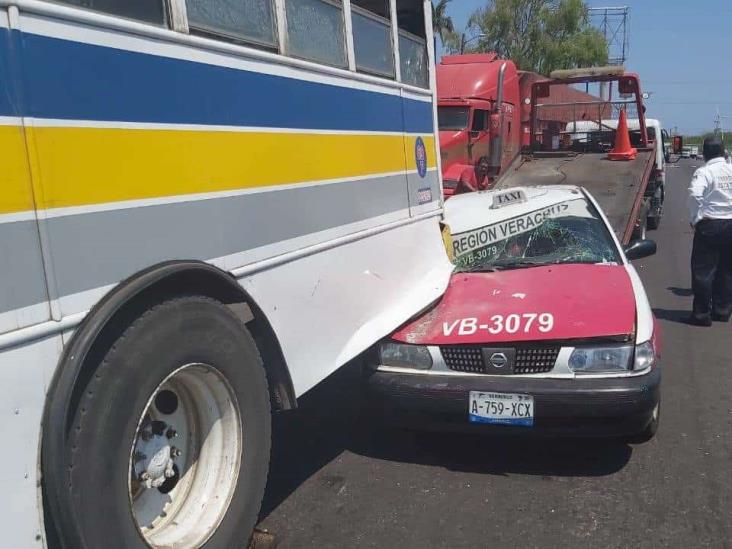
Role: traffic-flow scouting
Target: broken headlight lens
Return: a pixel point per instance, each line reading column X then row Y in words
column 405, row 356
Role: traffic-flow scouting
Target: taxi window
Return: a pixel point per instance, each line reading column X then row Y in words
column 566, row 232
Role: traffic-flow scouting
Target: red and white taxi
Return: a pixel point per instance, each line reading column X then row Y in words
column 545, row 326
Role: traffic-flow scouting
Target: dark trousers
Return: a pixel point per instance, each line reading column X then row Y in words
column 711, row 268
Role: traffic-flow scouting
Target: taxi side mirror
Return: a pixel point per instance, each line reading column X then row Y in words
column 638, row 249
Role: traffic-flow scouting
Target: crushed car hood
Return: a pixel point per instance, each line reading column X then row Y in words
column 556, row 302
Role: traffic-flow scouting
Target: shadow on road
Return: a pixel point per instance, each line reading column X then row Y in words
column 308, row 438
column 672, row 315
column 329, row 422
column 495, row 455
column 681, row 292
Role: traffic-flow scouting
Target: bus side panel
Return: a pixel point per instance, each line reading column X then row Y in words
column 329, row 307
column 220, row 162
column 158, row 151
column 23, row 295
column 25, row 375
column 420, row 154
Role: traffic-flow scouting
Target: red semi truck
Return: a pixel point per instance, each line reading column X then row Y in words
column 478, row 106
column 484, row 109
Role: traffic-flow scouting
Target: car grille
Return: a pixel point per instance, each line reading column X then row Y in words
column 529, row 359
column 464, row 359
column 535, row 360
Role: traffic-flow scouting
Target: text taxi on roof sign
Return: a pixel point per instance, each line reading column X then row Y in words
column 523, row 340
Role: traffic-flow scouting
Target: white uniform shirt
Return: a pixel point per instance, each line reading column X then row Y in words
column 710, row 191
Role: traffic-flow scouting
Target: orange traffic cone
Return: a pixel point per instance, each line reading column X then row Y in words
column 622, row 149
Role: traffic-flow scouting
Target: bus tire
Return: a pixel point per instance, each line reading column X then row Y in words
column 170, row 442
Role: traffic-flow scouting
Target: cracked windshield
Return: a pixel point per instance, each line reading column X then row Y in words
column 567, row 232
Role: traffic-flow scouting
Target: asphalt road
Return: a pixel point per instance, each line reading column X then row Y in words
column 336, row 482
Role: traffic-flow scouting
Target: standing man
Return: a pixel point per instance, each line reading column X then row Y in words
column 710, row 210
column 474, row 178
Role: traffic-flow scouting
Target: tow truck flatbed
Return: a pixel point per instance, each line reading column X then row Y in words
column 618, row 186
column 571, row 139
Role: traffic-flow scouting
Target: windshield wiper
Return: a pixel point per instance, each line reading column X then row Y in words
column 478, row 269
column 517, row 265
column 500, row 267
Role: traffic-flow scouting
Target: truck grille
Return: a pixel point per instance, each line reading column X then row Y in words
column 529, row 359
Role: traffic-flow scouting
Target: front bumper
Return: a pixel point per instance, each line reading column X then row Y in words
column 621, row 406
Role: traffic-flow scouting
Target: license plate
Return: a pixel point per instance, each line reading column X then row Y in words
column 501, row 408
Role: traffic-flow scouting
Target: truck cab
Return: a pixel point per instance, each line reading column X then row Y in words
column 478, row 104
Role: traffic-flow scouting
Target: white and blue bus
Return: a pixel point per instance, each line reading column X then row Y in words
column 206, row 207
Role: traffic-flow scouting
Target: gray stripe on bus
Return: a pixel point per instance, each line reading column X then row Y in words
column 22, row 282
column 417, row 184
column 93, row 250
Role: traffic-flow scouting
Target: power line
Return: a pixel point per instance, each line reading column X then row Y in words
column 690, row 102
column 696, row 83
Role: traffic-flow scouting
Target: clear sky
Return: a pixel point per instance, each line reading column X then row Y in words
column 682, row 51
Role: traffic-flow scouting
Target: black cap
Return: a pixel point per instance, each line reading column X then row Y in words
column 713, row 147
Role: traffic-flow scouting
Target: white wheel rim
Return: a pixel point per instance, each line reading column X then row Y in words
column 200, row 447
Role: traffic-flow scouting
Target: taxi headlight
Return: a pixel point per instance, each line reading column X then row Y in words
column 405, row 356
column 645, row 356
column 606, row 359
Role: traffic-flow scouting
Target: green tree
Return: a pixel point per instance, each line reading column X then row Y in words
column 540, row 35
column 442, row 24
column 451, row 42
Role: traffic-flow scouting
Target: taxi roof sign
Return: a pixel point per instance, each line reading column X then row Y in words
column 514, row 196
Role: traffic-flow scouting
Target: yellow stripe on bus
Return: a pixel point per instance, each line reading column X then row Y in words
column 15, row 188
column 83, row 166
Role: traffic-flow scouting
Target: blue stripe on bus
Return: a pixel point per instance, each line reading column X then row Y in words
column 8, row 104
column 79, row 81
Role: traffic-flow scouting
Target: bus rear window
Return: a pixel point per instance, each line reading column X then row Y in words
column 452, row 118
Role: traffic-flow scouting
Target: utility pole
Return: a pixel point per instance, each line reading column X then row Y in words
column 718, row 129
column 464, row 42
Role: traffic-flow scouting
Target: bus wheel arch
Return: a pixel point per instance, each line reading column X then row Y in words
column 94, row 337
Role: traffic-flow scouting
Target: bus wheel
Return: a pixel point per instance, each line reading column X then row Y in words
column 171, row 441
